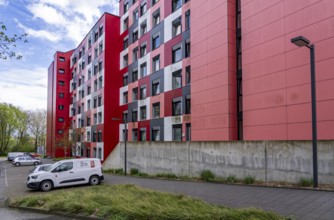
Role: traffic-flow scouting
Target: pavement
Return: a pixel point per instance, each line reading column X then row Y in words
column 296, row 203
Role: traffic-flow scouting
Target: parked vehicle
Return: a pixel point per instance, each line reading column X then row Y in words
column 35, row 155
column 40, row 168
column 25, row 160
column 67, row 173
column 12, row 155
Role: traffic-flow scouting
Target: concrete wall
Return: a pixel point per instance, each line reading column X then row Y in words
column 286, row 161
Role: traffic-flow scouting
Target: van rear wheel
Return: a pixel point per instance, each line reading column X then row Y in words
column 94, row 180
column 46, row 185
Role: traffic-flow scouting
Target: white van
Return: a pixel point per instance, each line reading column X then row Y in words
column 12, row 155
column 67, row 173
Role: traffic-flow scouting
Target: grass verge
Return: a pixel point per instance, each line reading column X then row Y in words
column 131, row 202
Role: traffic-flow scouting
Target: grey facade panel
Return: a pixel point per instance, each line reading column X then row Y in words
column 159, row 122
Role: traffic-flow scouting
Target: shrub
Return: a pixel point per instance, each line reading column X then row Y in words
column 249, row 180
column 305, row 182
column 207, row 175
column 134, row 171
column 143, row 174
column 231, row 179
column 167, row 175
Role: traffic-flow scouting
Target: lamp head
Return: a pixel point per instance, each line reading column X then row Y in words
column 300, row 41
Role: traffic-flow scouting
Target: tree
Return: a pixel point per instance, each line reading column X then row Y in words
column 68, row 138
column 37, row 126
column 8, row 43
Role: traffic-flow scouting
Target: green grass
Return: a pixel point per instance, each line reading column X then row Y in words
column 130, row 202
column 249, row 180
column 207, row 175
column 305, row 182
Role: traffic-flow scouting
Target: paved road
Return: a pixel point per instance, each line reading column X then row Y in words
column 302, row 204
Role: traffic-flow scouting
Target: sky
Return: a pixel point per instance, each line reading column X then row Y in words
column 51, row 25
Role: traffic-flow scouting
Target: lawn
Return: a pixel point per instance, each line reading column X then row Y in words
column 132, row 202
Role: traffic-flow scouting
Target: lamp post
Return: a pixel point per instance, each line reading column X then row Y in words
column 125, row 140
column 300, row 42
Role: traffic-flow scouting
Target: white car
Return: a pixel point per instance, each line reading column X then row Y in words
column 67, row 173
column 25, row 160
column 40, row 168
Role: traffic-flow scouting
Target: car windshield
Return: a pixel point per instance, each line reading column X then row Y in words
column 51, row 167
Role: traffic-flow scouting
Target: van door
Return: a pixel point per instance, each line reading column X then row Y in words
column 65, row 175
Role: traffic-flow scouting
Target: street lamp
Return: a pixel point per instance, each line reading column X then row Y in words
column 125, row 140
column 301, row 42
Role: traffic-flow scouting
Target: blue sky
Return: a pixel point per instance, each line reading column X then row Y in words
column 51, row 25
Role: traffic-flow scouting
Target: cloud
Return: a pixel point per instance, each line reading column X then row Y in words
column 26, row 88
column 70, row 19
column 4, row 2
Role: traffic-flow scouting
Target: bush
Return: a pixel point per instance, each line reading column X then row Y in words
column 305, row 182
column 167, row 175
column 207, row 175
column 249, row 180
column 231, row 179
column 134, row 171
column 143, row 174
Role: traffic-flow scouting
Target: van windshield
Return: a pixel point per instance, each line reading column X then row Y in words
column 52, row 166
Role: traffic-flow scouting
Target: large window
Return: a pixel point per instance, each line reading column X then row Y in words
column 177, row 54
column 177, row 132
column 187, row 20
column 126, row 23
column 125, row 97
column 156, row 134
column 135, row 94
column 126, row 7
column 100, row 47
column 156, row 41
column 134, row 115
column 134, row 75
column 177, row 79
column 143, row 92
column 143, row 70
column 135, row 54
column 143, row 50
column 143, row 8
column 156, row 63
column 156, row 17
column 99, row 115
column 135, row 35
column 155, row 87
column 176, row 30
column 177, row 108
column 156, row 110
column 143, row 113
column 99, row 101
column 176, row 4
column 125, row 60
column 135, row 15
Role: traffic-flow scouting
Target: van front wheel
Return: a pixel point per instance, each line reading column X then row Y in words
column 46, row 185
column 94, row 180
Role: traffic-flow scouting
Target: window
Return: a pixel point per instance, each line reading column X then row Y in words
column 89, row 90
column 60, row 131
column 143, row 8
column 143, row 70
column 95, row 52
column 99, row 101
column 94, row 136
column 135, row 54
column 134, row 75
column 125, row 116
column 125, row 97
column 125, row 43
column 188, row 104
column 100, row 31
column 135, row 94
column 143, row 113
column 99, row 117
column 89, row 42
column 79, row 109
column 96, row 69
column 125, row 79
column 89, row 59
column 143, row 134
column 156, row 41
column 187, row 20
column 60, row 119
column 188, row 132
column 100, row 66
column 135, row 15
column 61, row 95
column 95, row 85
column 177, row 54
column 100, row 82
column 155, row 87
column 100, row 47
column 135, row 35
column 187, row 52
column 177, row 132
column 176, row 4
column 134, row 134
column 125, row 135
column 154, row 2
column 80, row 54
column 134, row 115
column 187, row 75
column 89, row 73
column 156, row 18
column 125, row 60
column 176, row 107
column 156, row 110
column 82, row 93
column 143, row 50
column 61, row 107
column 155, row 134
column 99, row 136
column 62, row 59
column 143, row 92
column 61, row 71
column 177, row 80
column 156, row 63
column 95, row 118
column 143, row 28
column 95, row 102
column 176, row 29
column 88, row 136
column 126, row 23
column 88, row 104
column 61, row 83
column 126, row 7
column 79, row 81
column 82, row 123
